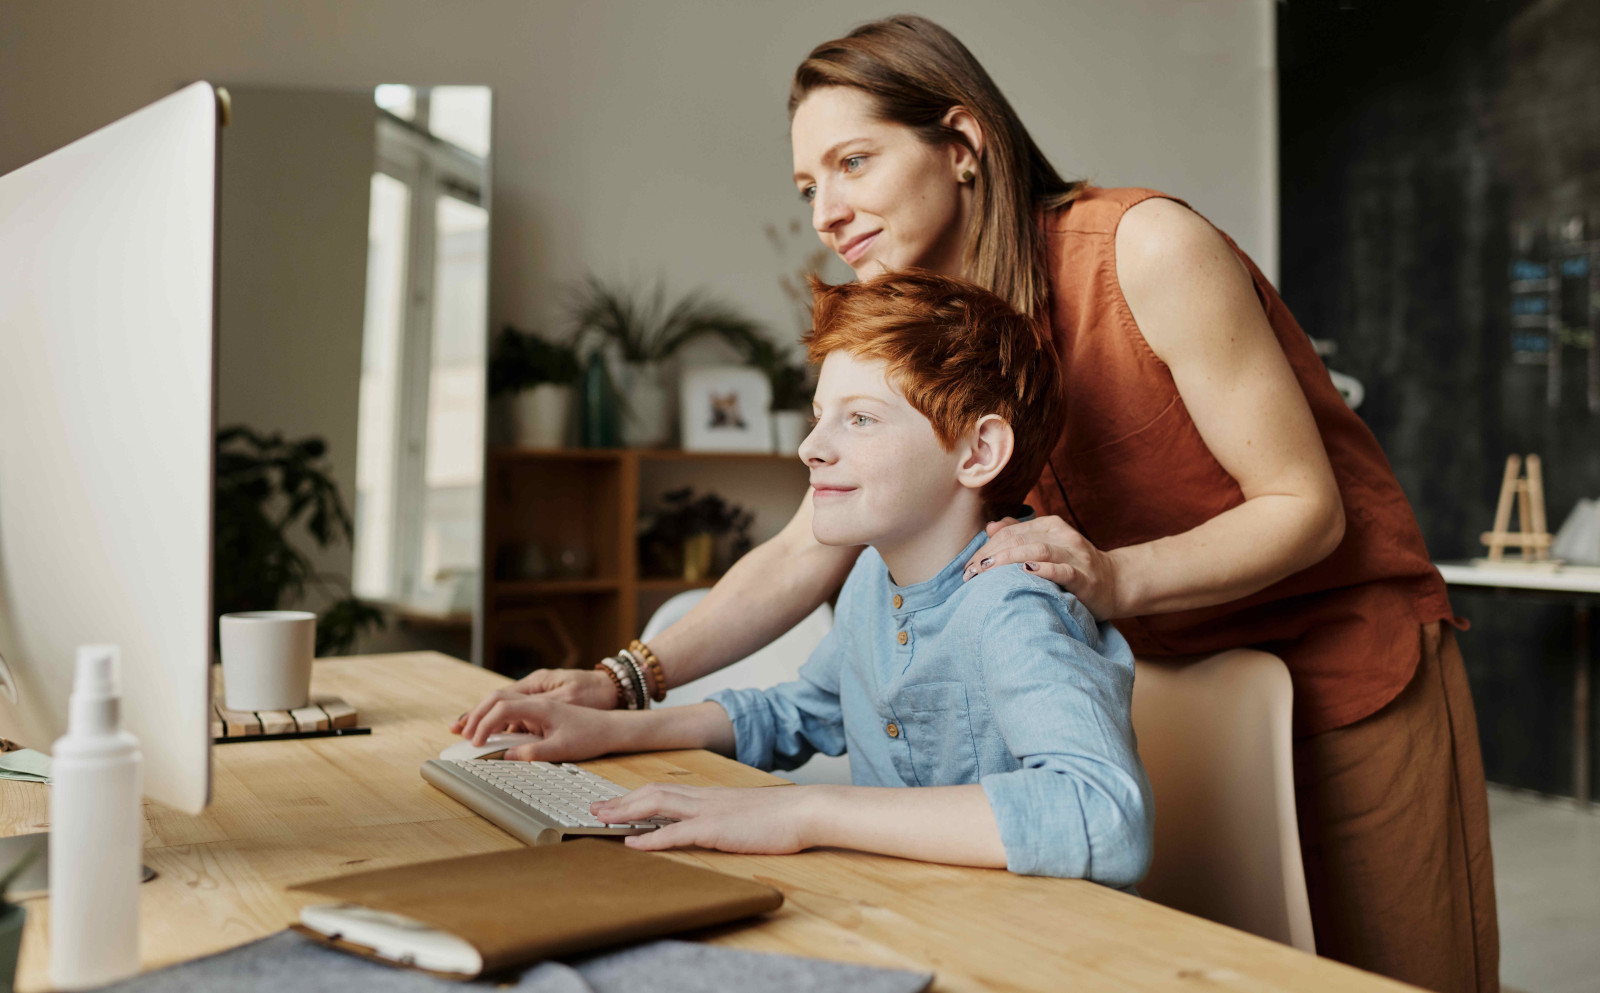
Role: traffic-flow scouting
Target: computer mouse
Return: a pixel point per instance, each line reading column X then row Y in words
column 494, row 748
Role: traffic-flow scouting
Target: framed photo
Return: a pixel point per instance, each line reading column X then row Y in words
column 725, row 409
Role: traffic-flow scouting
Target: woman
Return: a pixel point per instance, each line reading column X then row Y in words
column 1209, row 489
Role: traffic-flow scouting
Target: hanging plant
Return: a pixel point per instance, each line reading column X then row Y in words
column 644, row 326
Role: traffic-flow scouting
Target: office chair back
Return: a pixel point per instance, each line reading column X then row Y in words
column 776, row 663
column 1215, row 739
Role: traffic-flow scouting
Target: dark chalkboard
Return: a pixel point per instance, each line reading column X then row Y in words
column 1440, row 196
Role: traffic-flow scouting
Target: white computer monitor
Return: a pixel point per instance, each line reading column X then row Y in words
column 107, row 425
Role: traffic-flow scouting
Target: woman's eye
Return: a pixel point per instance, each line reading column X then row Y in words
column 854, row 162
column 808, row 194
column 861, row 420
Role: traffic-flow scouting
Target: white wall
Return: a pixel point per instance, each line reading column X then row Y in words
column 636, row 137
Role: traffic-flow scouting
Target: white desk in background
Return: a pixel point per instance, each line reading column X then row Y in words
column 1581, row 588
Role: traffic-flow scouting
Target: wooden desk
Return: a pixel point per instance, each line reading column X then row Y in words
column 288, row 811
column 1581, row 587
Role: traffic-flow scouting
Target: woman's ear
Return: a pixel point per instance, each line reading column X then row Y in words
column 987, row 449
column 961, row 119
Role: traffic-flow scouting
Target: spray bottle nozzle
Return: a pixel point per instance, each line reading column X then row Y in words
column 97, row 671
column 95, row 705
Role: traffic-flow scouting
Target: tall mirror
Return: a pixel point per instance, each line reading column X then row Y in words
column 352, row 340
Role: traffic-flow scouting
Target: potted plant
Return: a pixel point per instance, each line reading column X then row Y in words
column 12, row 917
column 533, row 378
column 680, row 537
column 792, row 387
column 645, row 330
column 792, row 380
column 266, row 487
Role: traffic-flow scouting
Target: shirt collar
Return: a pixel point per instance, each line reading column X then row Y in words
column 932, row 592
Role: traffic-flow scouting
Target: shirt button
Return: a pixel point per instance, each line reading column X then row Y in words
column 893, row 729
column 902, row 637
column 897, row 601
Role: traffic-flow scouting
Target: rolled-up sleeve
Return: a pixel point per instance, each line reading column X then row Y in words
column 782, row 727
column 1080, row 805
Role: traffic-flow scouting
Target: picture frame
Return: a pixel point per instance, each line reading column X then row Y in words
column 725, row 409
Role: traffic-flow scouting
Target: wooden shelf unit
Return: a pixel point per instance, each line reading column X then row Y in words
column 589, row 500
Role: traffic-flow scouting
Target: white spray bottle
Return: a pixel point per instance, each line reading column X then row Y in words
column 96, row 832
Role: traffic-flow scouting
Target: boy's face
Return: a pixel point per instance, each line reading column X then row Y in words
column 878, row 472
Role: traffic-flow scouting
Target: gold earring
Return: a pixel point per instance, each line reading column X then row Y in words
column 966, row 176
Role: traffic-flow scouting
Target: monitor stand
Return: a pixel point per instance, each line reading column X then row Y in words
column 35, row 879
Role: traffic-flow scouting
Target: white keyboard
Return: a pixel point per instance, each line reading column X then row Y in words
column 538, row 802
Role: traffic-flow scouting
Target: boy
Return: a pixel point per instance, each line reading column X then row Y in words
column 1001, row 699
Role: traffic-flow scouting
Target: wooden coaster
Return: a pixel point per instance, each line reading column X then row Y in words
column 325, row 713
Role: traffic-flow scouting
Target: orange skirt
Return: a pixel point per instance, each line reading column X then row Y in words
column 1394, row 830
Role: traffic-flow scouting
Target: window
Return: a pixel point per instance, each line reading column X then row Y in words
column 420, row 445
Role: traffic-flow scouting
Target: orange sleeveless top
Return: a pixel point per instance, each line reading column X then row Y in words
column 1131, row 467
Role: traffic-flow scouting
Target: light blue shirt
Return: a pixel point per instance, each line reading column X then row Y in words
column 1005, row 680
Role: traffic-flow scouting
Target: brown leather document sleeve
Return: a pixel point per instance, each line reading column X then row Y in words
column 529, row 904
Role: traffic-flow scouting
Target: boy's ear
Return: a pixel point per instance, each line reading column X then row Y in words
column 986, row 449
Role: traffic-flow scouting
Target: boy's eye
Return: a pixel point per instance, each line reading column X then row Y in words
column 808, row 194
column 861, row 420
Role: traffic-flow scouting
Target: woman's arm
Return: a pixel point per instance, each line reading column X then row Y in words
column 1196, row 306
column 571, row 734
column 764, row 594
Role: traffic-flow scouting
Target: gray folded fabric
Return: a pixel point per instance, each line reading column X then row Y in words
column 287, row 961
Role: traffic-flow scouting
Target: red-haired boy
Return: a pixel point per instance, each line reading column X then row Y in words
column 1000, row 699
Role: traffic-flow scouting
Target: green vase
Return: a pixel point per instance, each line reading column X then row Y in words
column 601, row 426
column 11, row 920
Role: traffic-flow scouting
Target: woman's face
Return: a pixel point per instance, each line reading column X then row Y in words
column 880, row 197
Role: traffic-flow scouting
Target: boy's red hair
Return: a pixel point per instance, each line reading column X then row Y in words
column 957, row 353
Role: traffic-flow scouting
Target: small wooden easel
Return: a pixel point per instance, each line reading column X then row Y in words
column 1528, row 494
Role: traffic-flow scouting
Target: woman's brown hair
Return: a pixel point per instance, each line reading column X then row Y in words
column 916, row 72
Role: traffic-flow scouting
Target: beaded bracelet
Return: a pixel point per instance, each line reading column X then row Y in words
column 643, row 651
column 636, row 664
column 627, row 697
column 622, row 697
column 636, row 675
column 651, row 686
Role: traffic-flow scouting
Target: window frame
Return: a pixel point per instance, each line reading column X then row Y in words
column 430, row 168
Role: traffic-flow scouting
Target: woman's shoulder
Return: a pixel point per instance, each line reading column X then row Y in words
column 1099, row 209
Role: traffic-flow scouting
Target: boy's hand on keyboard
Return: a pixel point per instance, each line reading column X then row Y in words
column 583, row 687
column 755, row 821
column 570, row 733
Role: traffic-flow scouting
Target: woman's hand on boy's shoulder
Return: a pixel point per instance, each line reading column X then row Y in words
column 768, row 820
column 1052, row 549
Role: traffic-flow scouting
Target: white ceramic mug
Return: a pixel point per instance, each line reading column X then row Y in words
column 266, row 659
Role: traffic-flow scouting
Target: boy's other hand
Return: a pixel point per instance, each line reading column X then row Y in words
column 763, row 820
column 570, row 733
column 582, row 687
column 1050, row 547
